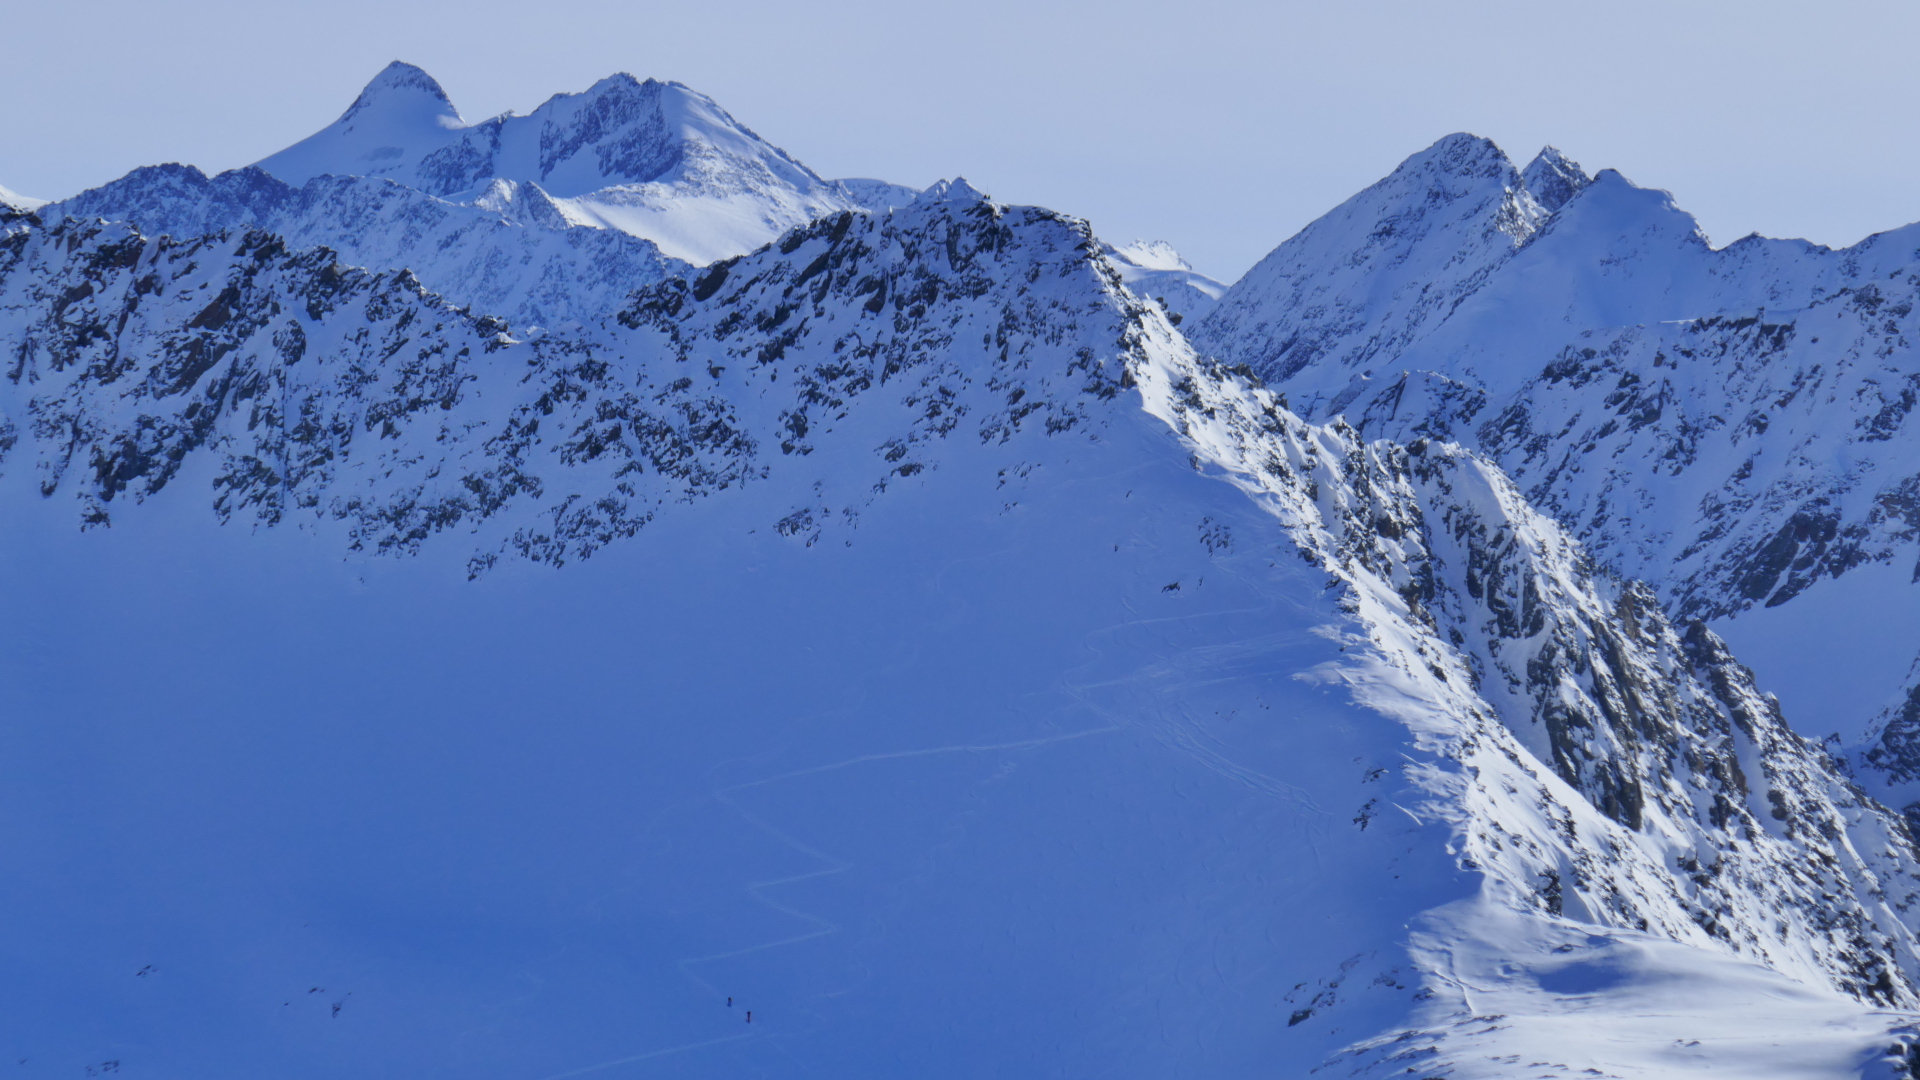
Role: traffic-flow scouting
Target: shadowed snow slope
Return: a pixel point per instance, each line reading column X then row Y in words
column 899, row 632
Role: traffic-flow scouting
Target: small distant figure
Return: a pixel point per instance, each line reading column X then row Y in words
column 749, row 1016
column 729, row 1003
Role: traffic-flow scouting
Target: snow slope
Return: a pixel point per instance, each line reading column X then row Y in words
column 1155, row 269
column 18, row 203
column 1730, row 425
column 900, row 631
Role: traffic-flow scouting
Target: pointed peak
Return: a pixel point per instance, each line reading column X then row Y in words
column 1460, row 154
column 401, row 75
column 1550, row 157
column 615, row 83
column 401, row 86
column 950, row 191
column 1553, row 179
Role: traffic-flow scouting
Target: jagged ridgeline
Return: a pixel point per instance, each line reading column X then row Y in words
column 298, row 386
column 1733, row 425
column 509, row 250
column 1591, row 762
column 1695, row 810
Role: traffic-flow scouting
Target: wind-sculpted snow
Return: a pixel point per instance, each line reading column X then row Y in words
column 509, row 252
column 1526, row 738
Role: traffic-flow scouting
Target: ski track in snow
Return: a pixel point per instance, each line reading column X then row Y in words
column 834, row 865
column 650, row 1055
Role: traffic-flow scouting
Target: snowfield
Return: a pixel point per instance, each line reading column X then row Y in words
column 909, row 636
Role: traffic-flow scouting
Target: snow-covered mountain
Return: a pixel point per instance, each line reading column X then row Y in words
column 1728, row 424
column 547, row 220
column 900, row 631
column 18, row 203
column 508, row 252
column 654, row 159
column 1153, row 268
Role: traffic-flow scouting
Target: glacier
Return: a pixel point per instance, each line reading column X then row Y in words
column 971, row 646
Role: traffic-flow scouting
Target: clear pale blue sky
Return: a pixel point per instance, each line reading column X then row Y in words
column 1220, row 126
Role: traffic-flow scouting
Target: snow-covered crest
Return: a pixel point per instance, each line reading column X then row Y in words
column 1409, row 249
column 1728, row 424
column 1155, row 269
column 655, row 159
column 18, row 203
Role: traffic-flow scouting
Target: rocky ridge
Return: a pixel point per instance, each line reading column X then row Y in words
column 1729, row 425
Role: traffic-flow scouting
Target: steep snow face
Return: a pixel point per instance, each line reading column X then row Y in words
column 654, row 159
column 1354, row 288
column 402, row 118
column 18, row 203
column 511, row 251
column 1730, row 425
column 1155, row 269
column 1190, row 738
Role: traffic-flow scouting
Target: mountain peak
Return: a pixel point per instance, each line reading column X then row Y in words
column 401, row 86
column 1552, row 178
column 402, row 116
column 1460, row 154
column 949, row 191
